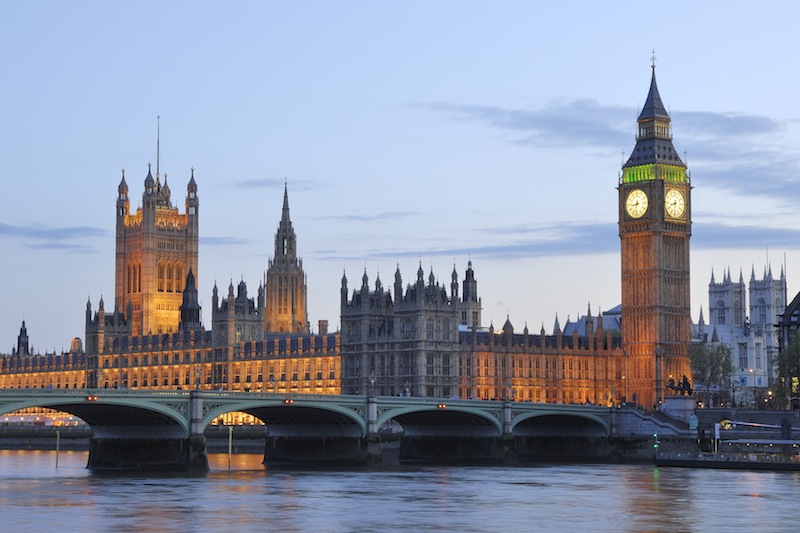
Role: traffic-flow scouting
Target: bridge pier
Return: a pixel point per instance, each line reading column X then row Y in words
column 198, row 458
column 155, row 448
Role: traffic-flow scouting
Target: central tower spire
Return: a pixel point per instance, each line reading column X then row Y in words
column 285, row 305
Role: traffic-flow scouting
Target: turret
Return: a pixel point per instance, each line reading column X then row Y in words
column 190, row 308
column 398, row 285
column 22, row 341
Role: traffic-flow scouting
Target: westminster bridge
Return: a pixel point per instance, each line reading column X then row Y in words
column 157, row 429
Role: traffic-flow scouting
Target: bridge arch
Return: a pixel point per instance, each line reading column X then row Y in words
column 104, row 412
column 559, row 423
column 447, row 420
column 284, row 416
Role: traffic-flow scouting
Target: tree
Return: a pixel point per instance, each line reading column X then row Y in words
column 711, row 365
column 787, row 363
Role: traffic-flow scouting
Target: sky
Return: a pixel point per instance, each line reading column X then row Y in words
column 408, row 133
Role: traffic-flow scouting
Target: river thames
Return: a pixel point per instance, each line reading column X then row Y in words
column 35, row 495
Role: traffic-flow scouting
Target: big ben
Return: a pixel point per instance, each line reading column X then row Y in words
column 655, row 226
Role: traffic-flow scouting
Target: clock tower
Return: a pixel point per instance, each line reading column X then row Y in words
column 655, row 225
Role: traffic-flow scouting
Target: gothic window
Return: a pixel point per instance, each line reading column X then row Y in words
column 720, row 312
column 429, row 329
column 742, row 355
column 445, row 365
column 160, row 277
column 180, row 279
column 169, row 277
column 762, row 311
column 283, row 296
column 446, row 329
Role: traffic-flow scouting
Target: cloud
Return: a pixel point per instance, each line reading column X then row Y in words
column 50, row 233
column 375, row 217
column 700, row 124
column 223, row 241
column 278, row 183
column 580, row 123
column 744, row 154
column 53, row 238
column 62, row 247
column 582, row 239
column 720, row 236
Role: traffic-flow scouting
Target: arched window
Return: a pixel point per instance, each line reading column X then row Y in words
column 160, row 277
column 762, row 311
column 169, row 277
column 180, row 279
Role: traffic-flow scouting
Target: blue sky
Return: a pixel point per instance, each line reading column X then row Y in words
column 408, row 133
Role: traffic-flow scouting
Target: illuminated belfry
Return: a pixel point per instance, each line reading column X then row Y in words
column 654, row 228
column 156, row 248
column 285, row 289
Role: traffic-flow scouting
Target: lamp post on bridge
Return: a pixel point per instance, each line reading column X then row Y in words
column 372, row 381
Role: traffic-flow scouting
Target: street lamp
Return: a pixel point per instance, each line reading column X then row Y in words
column 407, row 389
column 372, row 384
column 198, row 372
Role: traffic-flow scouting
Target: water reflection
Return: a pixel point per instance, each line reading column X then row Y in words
column 34, row 495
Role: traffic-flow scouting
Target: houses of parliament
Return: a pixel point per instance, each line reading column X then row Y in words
column 419, row 338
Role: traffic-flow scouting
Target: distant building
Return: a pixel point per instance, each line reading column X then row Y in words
column 745, row 318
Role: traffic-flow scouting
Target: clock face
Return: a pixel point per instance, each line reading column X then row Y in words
column 675, row 203
column 636, row 203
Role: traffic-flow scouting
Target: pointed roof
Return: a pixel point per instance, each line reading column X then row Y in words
column 285, row 214
column 148, row 181
column 654, row 140
column 192, row 186
column 653, row 106
column 123, row 185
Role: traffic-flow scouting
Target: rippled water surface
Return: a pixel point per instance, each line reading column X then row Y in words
column 37, row 496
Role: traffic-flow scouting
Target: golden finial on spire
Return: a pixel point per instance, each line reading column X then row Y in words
column 653, row 60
